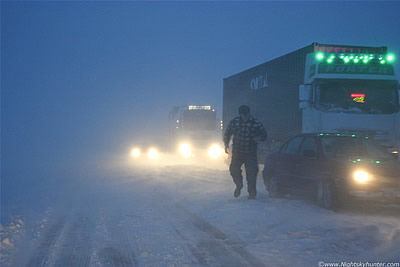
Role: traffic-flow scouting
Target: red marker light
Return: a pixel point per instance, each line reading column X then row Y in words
column 357, row 95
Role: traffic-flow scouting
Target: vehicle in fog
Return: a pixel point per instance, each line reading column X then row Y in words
column 147, row 150
column 333, row 168
column 151, row 152
column 321, row 88
column 193, row 131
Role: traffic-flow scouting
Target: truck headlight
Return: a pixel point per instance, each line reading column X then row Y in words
column 185, row 150
column 153, row 153
column 135, row 152
column 214, row 151
column 361, row 176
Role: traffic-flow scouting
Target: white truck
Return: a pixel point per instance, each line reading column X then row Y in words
column 321, row 88
column 193, row 131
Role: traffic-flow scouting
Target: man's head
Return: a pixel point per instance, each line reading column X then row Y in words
column 244, row 112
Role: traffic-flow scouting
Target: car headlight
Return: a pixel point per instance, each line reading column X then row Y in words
column 185, row 150
column 361, row 176
column 153, row 153
column 214, row 151
column 135, row 152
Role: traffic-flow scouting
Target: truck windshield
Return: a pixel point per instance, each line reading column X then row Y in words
column 358, row 96
column 348, row 147
column 199, row 120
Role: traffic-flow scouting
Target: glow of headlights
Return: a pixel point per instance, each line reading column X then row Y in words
column 185, row 150
column 215, row 151
column 153, row 153
column 361, row 176
column 135, row 152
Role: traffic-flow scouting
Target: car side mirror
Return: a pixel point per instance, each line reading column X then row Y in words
column 310, row 153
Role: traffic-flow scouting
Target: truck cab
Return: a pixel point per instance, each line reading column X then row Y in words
column 351, row 90
column 194, row 132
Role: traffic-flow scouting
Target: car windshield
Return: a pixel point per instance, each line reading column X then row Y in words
column 354, row 96
column 348, row 147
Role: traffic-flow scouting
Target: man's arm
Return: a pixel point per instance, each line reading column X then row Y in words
column 261, row 133
column 227, row 136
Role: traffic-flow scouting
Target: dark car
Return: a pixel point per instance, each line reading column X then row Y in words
column 333, row 169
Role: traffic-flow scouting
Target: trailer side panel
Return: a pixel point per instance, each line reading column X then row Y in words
column 272, row 92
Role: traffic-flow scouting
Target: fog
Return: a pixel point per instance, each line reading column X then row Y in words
column 83, row 82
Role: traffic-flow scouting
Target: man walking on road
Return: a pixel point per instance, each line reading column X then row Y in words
column 246, row 132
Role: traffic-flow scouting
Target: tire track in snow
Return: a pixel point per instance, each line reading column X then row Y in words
column 110, row 246
column 66, row 243
column 73, row 249
column 213, row 247
column 110, row 255
column 225, row 244
column 42, row 254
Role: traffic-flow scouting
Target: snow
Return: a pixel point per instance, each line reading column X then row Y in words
column 174, row 213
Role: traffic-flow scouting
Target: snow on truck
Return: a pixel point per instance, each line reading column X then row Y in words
column 193, row 131
column 321, row 88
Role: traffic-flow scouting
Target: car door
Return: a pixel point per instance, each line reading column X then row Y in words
column 307, row 166
column 285, row 167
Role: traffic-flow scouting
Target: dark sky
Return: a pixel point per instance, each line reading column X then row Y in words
column 82, row 78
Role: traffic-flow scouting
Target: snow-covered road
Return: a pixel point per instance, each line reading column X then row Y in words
column 185, row 215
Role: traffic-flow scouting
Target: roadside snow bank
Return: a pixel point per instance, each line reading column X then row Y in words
column 10, row 235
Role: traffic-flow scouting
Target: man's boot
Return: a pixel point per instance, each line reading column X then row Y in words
column 252, row 196
column 236, row 193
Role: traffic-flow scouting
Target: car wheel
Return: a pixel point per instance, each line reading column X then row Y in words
column 273, row 188
column 327, row 195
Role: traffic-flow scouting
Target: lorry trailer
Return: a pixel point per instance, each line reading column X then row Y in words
column 321, row 88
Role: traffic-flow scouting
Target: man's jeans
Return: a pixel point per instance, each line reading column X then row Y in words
column 251, row 165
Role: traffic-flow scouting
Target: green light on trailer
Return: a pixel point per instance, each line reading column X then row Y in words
column 356, row 60
column 320, row 56
column 377, row 161
column 351, row 57
column 346, row 60
column 341, row 56
column 358, row 160
column 365, row 60
column 390, row 58
column 353, row 135
column 366, row 137
column 330, row 60
column 382, row 61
